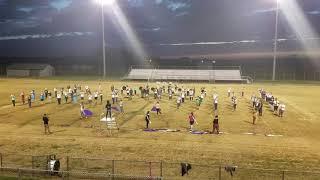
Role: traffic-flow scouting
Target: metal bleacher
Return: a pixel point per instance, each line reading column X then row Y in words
column 218, row 75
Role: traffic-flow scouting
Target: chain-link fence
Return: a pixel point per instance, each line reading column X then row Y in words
column 21, row 173
column 13, row 165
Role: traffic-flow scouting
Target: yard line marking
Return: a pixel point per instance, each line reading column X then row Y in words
column 273, row 135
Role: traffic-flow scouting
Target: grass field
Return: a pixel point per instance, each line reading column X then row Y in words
column 298, row 148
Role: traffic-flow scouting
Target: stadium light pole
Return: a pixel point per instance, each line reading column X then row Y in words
column 275, row 47
column 214, row 70
column 214, row 64
column 104, row 3
column 150, row 63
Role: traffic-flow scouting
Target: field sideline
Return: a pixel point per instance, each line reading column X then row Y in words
column 21, row 129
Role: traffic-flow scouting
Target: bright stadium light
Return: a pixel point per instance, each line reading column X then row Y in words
column 275, row 48
column 299, row 22
column 104, row 3
column 125, row 27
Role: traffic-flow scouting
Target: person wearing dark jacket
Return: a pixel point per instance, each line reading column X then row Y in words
column 29, row 101
column 46, row 124
column 108, row 109
column 148, row 121
column 215, row 125
column 260, row 108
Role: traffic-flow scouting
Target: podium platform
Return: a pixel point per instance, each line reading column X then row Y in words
column 110, row 122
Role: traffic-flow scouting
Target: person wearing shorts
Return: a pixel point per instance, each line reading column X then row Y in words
column 158, row 109
column 192, row 120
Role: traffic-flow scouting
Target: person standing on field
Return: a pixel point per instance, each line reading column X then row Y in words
column 90, row 98
column 182, row 96
column 275, row 106
column 42, row 96
column 50, row 96
column 235, row 102
column 242, row 92
column 101, row 97
column 191, row 94
column 81, row 96
column 29, row 101
column 59, row 97
column 229, row 92
column 260, row 108
column 282, row 108
column 148, row 121
column 13, row 100
column 46, row 124
column 215, row 125
column 108, row 109
column 192, row 120
column 22, row 97
column 65, row 93
column 178, row 102
column 121, row 106
column 82, row 114
column 96, row 94
column 55, row 92
column 215, row 102
column 113, row 97
column 254, row 116
column 158, row 109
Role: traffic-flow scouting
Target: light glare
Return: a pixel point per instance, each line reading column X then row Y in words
column 106, row 2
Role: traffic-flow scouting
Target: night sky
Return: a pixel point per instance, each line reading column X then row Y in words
column 163, row 27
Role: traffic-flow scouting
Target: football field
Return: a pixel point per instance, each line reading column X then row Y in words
column 291, row 142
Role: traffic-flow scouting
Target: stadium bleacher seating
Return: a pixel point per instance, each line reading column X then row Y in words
column 232, row 75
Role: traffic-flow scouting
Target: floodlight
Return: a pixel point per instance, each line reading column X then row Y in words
column 106, row 2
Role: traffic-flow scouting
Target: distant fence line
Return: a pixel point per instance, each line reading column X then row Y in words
column 22, row 173
column 73, row 167
column 286, row 76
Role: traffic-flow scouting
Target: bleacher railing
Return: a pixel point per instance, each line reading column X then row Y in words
column 187, row 67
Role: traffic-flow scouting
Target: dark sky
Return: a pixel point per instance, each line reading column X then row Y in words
column 163, row 27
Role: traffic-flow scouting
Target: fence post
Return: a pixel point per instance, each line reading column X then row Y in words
column 0, row 159
column 282, row 175
column 113, row 170
column 219, row 172
column 160, row 168
column 112, row 167
column 150, row 167
column 68, row 163
column 32, row 162
column 19, row 173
